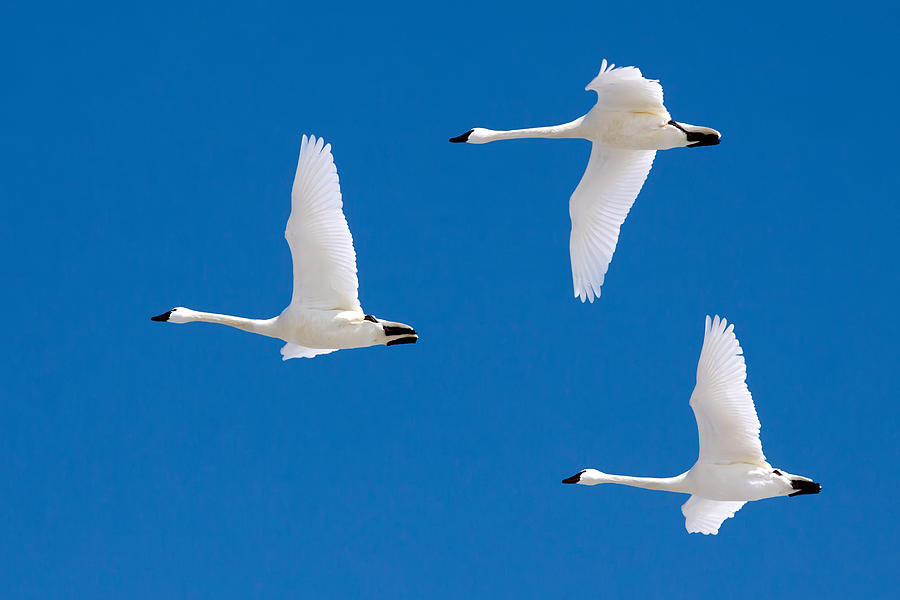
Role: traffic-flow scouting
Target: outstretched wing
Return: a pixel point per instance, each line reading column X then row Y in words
column 627, row 90
column 598, row 207
column 294, row 351
column 317, row 232
column 702, row 515
column 726, row 418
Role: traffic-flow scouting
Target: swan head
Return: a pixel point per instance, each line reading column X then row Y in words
column 179, row 314
column 586, row 477
column 478, row 135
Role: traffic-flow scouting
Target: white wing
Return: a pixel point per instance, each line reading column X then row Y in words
column 705, row 516
column 294, row 351
column 723, row 407
column 626, row 89
column 598, row 207
column 317, row 232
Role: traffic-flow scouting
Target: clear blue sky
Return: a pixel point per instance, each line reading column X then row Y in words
column 147, row 158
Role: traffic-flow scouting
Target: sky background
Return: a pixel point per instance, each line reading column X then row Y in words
column 147, row 160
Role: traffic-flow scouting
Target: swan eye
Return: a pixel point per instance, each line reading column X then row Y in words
column 777, row 472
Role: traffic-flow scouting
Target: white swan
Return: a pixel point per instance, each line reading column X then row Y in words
column 627, row 126
column 731, row 468
column 324, row 314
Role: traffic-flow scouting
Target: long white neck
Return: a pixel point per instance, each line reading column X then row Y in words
column 566, row 130
column 261, row 326
column 668, row 484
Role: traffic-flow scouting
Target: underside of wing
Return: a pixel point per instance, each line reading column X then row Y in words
column 705, row 516
column 726, row 418
column 626, row 89
column 317, row 232
column 598, row 207
column 294, row 351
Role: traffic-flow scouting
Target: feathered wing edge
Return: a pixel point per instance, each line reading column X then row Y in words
column 598, row 207
column 727, row 422
column 290, row 351
column 324, row 260
column 702, row 515
column 626, row 89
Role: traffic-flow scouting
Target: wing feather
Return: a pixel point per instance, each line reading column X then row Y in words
column 726, row 418
column 598, row 207
column 318, row 234
column 290, row 351
column 702, row 515
column 626, row 89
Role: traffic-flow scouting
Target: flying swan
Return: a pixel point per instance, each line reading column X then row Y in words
column 324, row 314
column 627, row 126
column 731, row 469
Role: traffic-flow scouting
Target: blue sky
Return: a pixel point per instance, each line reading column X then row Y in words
column 147, row 161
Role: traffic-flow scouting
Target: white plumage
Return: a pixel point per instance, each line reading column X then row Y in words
column 318, row 234
column 731, row 468
column 598, row 208
column 324, row 314
column 626, row 126
column 726, row 418
column 702, row 515
column 625, row 89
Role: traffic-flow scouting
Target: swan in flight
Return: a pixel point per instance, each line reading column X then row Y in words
column 324, row 314
column 627, row 126
column 731, row 469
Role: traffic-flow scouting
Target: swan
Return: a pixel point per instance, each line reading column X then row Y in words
column 731, row 469
column 324, row 314
column 627, row 126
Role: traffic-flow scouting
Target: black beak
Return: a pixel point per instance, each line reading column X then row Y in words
column 574, row 478
column 461, row 139
column 805, row 487
column 162, row 317
column 702, row 139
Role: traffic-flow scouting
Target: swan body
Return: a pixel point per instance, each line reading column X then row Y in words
column 731, row 469
column 324, row 314
column 627, row 126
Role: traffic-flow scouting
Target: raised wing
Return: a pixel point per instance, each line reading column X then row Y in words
column 598, row 207
column 723, row 407
column 317, row 232
column 626, row 89
column 705, row 516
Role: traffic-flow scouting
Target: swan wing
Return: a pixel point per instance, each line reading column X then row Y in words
column 726, row 418
column 294, row 351
column 625, row 89
column 317, row 232
column 702, row 515
column 598, row 207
